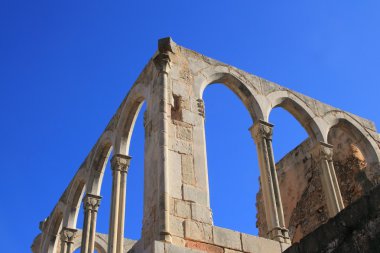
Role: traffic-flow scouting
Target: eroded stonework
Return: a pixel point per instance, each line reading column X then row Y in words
column 177, row 215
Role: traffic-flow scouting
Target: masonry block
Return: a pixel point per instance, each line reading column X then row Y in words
column 227, row 238
column 201, row 213
column 182, row 209
column 193, row 194
column 198, row 231
column 254, row 244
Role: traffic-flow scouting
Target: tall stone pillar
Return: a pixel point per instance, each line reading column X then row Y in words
column 67, row 237
column 91, row 205
column 120, row 164
column 262, row 134
column 162, row 62
column 323, row 154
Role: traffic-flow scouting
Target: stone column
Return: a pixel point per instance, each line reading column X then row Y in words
column 90, row 204
column 67, row 237
column 162, row 62
column 120, row 164
column 323, row 153
column 262, row 134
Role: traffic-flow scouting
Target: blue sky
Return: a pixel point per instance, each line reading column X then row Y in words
column 66, row 66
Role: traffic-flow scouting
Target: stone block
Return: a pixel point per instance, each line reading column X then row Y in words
column 158, row 247
column 191, row 117
column 180, row 89
column 201, row 213
column 182, row 209
column 231, row 251
column 180, row 146
column 176, row 226
column 171, row 248
column 188, row 176
column 193, row 194
column 179, row 241
column 175, row 175
column 209, row 248
column 227, row 238
column 184, row 133
column 198, row 231
column 254, row 244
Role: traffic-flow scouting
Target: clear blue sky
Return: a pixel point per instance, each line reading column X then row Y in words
column 66, row 66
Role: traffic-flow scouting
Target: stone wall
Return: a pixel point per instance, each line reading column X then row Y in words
column 302, row 197
column 355, row 229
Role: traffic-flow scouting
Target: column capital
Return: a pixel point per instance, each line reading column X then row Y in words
column 162, row 59
column 68, row 234
column 120, row 162
column 322, row 150
column 261, row 129
column 91, row 202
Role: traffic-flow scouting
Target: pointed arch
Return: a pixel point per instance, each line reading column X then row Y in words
column 99, row 163
column 299, row 109
column 127, row 118
column 246, row 92
column 364, row 141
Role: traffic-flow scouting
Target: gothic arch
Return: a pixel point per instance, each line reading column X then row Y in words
column 127, row 118
column 51, row 234
column 248, row 94
column 100, row 244
column 367, row 144
column 98, row 163
column 73, row 203
column 300, row 111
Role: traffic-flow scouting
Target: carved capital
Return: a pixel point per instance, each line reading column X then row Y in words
column 68, row 234
column 120, row 163
column 261, row 129
column 322, row 151
column 91, row 202
column 162, row 60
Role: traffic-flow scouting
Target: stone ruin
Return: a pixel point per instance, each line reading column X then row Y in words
column 335, row 166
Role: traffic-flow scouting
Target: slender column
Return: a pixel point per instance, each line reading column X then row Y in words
column 162, row 62
column 67, row 237
column 323, row 154
column 120, row 164
column 91, row 205
column 262, row 134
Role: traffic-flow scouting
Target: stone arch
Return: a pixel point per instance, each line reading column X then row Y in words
column 127, row 118
column 299, row 110
column 99, row 162
column 73, row 203
column 100, row 243
column 248, row 94
column 364, row 141
column 51, row 238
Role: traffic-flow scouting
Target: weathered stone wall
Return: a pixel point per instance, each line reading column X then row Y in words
column 355, row 229
column 176, row 192
column 303, row 200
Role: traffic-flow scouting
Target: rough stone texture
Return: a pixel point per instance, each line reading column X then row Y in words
column 355, row 229
column 300, row 185
column 177, row 215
